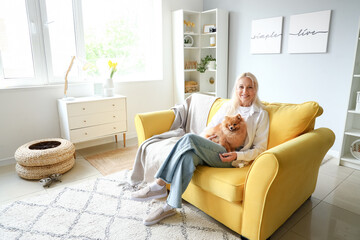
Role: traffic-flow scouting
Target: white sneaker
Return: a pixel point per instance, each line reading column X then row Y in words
column 158, row 215
column 146, row 194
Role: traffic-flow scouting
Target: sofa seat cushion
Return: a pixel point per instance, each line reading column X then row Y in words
column 288, row 121
column 226, row 183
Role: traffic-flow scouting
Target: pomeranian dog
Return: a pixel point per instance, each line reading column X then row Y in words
column 231, row 132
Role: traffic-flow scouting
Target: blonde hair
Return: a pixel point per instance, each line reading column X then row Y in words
column 235, row 101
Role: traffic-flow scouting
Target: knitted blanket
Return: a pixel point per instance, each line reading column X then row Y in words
column 190, row 117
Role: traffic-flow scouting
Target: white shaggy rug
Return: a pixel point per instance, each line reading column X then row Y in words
column 101, row 209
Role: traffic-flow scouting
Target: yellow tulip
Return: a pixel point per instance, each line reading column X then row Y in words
column 112, row 66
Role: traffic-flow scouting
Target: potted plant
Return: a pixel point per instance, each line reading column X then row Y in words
column 188, row 41
column 203, row 65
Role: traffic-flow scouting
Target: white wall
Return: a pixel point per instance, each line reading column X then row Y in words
column 297, row 78
column 31, row 113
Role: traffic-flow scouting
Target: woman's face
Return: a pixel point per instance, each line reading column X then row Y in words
column 245, row 91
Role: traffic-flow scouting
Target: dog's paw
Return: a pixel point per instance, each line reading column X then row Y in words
column 238, row 165
column 241, row 165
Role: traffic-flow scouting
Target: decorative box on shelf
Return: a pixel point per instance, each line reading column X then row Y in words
column 191, row 86
column 88, row 118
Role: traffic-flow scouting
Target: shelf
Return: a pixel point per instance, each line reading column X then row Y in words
column 209, row 93
column 191, row 48
column 350, row 158
column 188, row 94
column 192, row 34
column 353, row 132
column 194, row 70
column 352, row 127
column 208, row 47
column 212, row 33
column 353, row 111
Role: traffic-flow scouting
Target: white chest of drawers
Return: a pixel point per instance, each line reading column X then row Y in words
column 88, row 118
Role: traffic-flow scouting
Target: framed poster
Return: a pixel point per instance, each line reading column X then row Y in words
column 308, row 33
column 266, row 35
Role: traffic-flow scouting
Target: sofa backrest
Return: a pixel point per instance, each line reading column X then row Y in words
column 286, row 120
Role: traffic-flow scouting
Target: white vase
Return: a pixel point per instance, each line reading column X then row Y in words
column 211, row 65
column 109, row 88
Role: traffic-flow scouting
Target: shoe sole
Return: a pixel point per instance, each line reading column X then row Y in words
column 149, row 198
column 158, row 220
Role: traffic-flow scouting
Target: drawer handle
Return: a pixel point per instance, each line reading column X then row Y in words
column 85, row 133
column 114, row 127
column 114, row 117
column 113, row 105
column 84, row 120
column 83, row 108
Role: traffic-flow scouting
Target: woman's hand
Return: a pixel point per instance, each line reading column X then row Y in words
column 212, row 137
column 228, row 156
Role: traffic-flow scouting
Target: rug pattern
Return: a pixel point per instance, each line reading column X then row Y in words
column 102, row 209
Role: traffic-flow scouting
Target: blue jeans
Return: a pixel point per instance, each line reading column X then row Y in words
column 190, row 151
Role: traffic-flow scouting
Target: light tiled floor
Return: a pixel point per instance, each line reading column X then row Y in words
column 333, row 211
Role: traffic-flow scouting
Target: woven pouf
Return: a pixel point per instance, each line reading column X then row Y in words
column 41, row 158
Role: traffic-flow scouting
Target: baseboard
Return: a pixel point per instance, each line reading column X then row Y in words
column 333, row 153
column 129, row 137
column 7, row 161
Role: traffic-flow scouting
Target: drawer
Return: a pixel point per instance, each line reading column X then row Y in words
column 84, row 134
column 91, row 107
column 96, row 119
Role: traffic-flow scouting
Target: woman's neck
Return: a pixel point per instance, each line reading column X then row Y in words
column 245, row 105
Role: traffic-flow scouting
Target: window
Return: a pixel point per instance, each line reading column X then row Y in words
column 60, row 41
column 130, row 36
column 15, row 41
column 39, row 37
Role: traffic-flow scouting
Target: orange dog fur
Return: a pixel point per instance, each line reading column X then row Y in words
column 231, row 132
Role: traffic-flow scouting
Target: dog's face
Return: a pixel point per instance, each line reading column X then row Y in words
column 233, row 122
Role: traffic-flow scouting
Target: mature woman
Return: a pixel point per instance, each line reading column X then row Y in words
column 193, row 150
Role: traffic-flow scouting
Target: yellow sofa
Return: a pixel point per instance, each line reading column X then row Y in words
column 256, row 200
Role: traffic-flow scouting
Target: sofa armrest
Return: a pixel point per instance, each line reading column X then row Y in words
column 153, row 123
column 280, row 180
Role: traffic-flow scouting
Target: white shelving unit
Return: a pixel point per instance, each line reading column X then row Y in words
column 200, row 48
column 352, row 124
